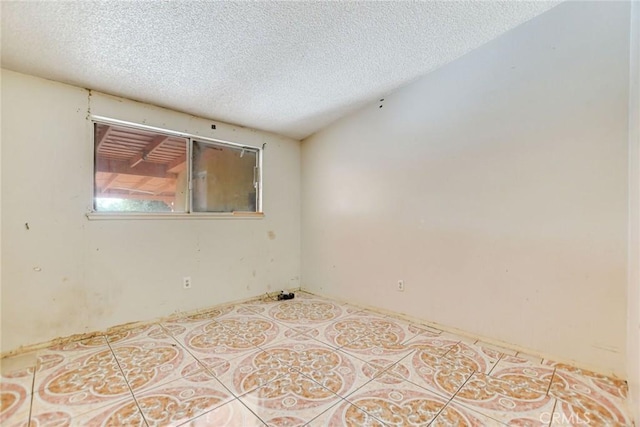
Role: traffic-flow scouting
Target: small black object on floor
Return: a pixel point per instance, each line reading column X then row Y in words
column 282, row 295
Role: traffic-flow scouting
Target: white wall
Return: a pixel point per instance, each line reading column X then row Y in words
column 96, row 274
column 633, row 295
column 496, row 187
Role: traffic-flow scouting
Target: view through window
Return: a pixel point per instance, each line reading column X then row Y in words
column 140, row 170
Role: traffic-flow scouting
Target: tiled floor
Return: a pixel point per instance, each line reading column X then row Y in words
column 308, row 361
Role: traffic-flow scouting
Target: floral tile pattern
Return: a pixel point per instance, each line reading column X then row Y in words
column 580, row 397
column 14, row 404
column 233, row 413
column 93, row 377
column 432, row 372
column 401, row 404
column 295, row 395
column 146, row 363
column 178, row 402
column 124, row 413
column 512, row 397
column 309, row 361
column 345, row 414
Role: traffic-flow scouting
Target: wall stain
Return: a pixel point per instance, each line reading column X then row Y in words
column 88, row 104
column 115, row 329
column 271, row 235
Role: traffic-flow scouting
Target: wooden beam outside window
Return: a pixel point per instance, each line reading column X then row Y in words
column 102, row 135
column 155, row 170
column 148, row 150
column 109, row 181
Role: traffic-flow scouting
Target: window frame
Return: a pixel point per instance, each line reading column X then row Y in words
column 188, row 213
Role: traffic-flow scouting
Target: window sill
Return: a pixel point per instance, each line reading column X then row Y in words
column 196, row 215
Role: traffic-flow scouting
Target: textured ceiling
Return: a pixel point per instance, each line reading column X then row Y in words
column 286, row 67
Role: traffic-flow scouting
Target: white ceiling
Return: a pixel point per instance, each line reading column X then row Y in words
column 286, row 67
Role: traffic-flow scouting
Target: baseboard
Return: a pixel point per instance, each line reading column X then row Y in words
column 131, row 325
column 474, row 337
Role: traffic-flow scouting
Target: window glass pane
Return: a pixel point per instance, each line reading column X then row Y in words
column 138, row 170
column 223, row 178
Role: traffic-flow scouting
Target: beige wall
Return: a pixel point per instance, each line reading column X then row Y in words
column 495, row 187
column 633, row 297
column 96, row 274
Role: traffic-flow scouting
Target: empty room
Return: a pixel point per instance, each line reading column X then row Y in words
column 320, row 213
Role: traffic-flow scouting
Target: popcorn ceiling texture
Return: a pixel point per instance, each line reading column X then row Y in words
column 290, row 68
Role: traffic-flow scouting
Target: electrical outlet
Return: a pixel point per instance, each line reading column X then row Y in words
column 400, row 285
column 186, row 282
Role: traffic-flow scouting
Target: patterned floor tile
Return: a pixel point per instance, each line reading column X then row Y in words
column 233, row 413
column 578, row 398
column 510, row 397
column 301, row 334
column 535, row 360
column 181, row 400
column 123, row 413
column 45, row 412
column 250, row 371
column 415, row 325
column 148, row 332
column 288, row 363
column 345, row 414
column 454, row 415
column 380, row 337
column 307, row 362
column 336, row 334
column 334, row 370
column 432, row 372
column 382, row 371
column 254, row 329
column 458, row 337
column 16, row 383
column 53, row 358
column 521, row 361
column 293, row 394
column 86, row 382
column 149, row 363
column 435, row 346
column 215, row 339
column 613, row 387
column 497, row 348
column 19, row 370
column 472, row 357
column 304, row 312
column 567, row 415
column 399, row 404
column 15, row 401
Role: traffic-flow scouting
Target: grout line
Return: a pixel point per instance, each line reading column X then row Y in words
column 360, row 409
column 33, row 384
column 496, row 364
column 306, row 424
column 202, row 364
column 552, row 412
column 450, row 349
column 126, row 382
column 551, row 382
column 451, row 398
column 250, row 410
